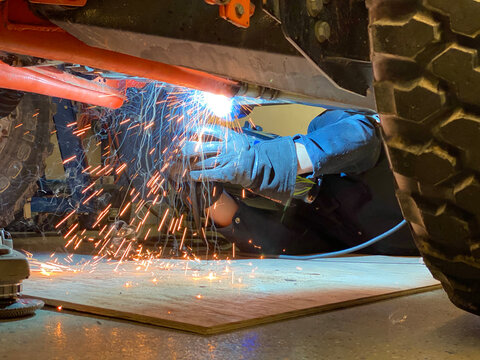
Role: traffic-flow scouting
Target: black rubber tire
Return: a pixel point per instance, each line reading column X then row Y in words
column 427, row 86
column 25, row 131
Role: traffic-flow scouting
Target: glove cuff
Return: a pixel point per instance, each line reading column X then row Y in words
column 275, row 169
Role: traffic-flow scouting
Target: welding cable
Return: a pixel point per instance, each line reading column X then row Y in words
column 349, row 250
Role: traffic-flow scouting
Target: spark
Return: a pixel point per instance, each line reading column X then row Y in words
column 183, row 238
column 69, row 159
column 102, row 215
column 125, row 208
column 211, row 276
column 88, row 188
column 121, row 168
column 96, row 193
column 70, row 231
column 95, row 169
column 86, row 169
column 148, row 233
column 77, row 244
column 155, row 123
column 65, row 219
column 163, row 220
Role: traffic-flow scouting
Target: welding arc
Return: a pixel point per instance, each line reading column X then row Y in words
column 349, row 250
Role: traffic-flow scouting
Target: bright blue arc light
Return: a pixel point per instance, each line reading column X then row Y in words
column 219, row 105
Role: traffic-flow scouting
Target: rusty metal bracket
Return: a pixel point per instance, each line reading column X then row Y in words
column 238, row 12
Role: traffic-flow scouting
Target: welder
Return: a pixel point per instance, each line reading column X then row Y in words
column 341, row 153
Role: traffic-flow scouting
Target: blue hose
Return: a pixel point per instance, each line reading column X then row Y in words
column 349, row 250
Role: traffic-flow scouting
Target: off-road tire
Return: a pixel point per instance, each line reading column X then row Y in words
column 425, row 55
column 25, row 129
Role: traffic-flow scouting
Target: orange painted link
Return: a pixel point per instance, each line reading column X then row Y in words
column 53, row 82
column 55, row 45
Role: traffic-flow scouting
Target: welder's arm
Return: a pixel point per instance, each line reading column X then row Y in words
column 223, row 210
column 304, row 163
column 258, row 231
column 337, row 142
column 340, row 142
column 268, row 167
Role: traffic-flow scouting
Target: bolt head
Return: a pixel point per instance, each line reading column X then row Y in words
column 314, row 7
column 239, row 10
column 322, row 31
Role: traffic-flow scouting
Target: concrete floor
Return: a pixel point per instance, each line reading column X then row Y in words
column 422, row 326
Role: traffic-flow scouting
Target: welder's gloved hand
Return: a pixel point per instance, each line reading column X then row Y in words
column 268, row 168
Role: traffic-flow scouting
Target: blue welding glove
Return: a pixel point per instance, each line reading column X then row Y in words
column 268, row 168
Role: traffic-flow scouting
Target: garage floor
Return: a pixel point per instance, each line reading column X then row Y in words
column 422, row 326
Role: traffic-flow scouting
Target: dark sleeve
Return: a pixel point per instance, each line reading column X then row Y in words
column 339, row 141
column 258, row 231
column 255, row 231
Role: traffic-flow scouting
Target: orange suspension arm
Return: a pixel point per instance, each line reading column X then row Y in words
column 53, row 82
column 45, row 40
